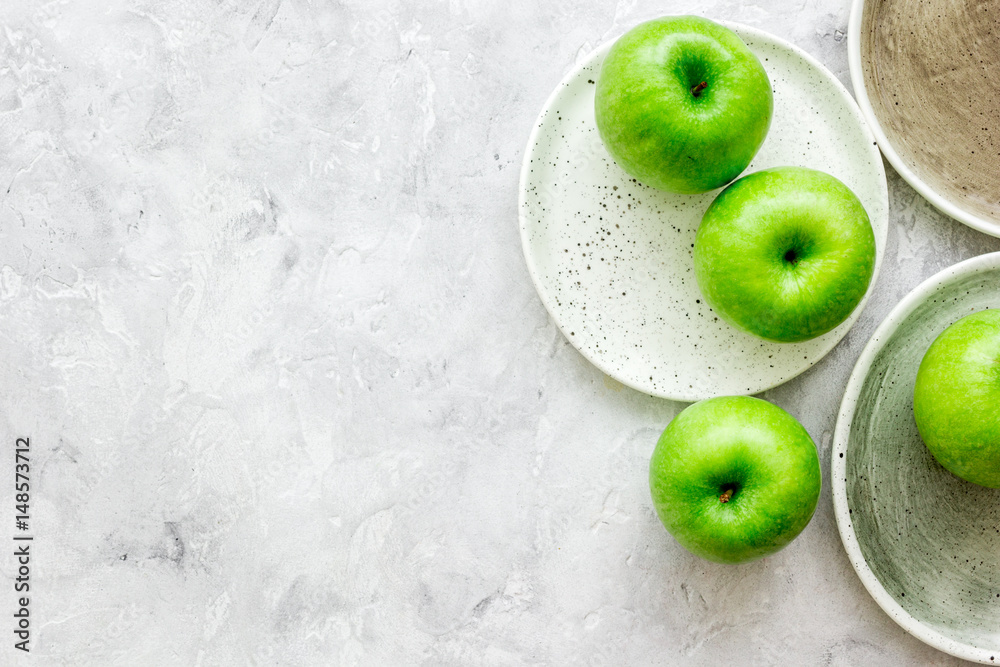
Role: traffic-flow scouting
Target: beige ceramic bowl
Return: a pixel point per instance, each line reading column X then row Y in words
column 925, row 74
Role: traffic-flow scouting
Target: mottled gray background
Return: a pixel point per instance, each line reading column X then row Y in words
column 291, row 395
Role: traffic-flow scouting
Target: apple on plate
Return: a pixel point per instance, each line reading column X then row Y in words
column 682, row 104
column 734, row 478
column 956, row 399
column 785, row 254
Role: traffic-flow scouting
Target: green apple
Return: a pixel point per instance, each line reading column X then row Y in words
column 785, row 254
column 734, row 478
column 956, row 400
column 682, row 104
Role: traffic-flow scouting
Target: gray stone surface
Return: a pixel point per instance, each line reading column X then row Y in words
column 291, row 395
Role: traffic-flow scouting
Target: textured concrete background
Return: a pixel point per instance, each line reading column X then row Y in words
column 291, row 395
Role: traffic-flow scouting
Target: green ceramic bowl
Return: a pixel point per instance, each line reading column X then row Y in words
column 925, row 543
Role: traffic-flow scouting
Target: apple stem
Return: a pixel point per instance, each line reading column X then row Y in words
column 696, row 91
column 726, row 495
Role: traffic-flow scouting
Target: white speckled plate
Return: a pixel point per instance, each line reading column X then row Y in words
column 925, row 543
column 611, row 259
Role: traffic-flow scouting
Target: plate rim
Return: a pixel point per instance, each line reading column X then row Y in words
column 853, row 108
column 946, row 206
column 838, row 467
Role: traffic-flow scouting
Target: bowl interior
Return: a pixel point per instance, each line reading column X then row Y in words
column 930, row 539
column 930, row 69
